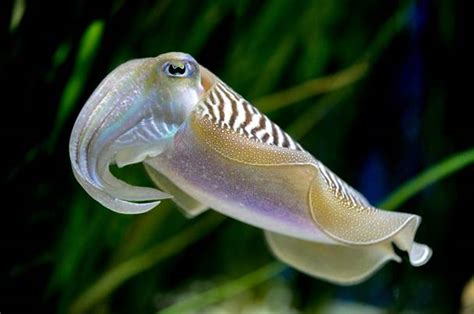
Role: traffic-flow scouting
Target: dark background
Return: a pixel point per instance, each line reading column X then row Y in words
column 409, row 110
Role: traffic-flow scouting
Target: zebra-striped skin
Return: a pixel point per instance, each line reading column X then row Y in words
column 343, row 191
column 226, row 108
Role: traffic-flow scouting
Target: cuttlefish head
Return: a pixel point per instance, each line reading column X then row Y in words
column 133, row 115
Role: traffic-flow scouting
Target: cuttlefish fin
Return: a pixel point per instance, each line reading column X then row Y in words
column 345, row 215
column 343, row 265
column 188, row 205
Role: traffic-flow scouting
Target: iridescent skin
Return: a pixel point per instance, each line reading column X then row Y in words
column 266, row 198
column 114, row 127
column 154, row 111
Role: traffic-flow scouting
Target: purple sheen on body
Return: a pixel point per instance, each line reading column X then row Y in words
column 261, row 196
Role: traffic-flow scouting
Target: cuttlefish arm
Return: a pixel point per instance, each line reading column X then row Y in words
column 312, row 219
column 132, row 115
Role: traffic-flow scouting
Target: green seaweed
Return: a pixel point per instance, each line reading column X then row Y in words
column 111, row 279
column 88, row 46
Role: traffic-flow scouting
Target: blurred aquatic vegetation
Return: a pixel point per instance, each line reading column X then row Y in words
column 360, row 84
column 88, row 47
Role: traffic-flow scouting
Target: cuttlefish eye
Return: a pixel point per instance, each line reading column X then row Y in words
column 178, row 69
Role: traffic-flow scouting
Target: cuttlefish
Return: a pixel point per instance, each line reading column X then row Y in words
column 205, row 146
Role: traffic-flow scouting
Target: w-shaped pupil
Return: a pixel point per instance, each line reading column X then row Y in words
column 176, row 69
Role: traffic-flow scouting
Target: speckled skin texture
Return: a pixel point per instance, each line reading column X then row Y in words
column 265, row 196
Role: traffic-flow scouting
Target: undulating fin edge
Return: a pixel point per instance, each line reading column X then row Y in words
column 340, row 212
column 343, row 265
